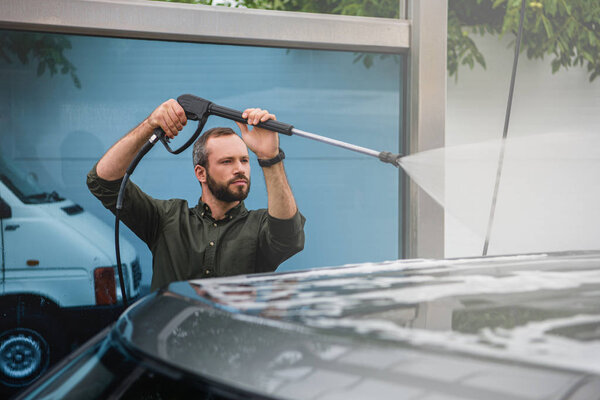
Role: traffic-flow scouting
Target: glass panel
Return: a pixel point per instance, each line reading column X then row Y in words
column 550, row 170
column 59, row 238
column 55, row 131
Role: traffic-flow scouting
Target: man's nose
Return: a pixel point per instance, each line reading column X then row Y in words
column 239, row 166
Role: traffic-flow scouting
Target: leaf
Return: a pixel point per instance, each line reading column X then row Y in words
column 547, row 26
column 76, row 80
column 587, row 56
column 550, row 7
column 566, row 7
column 498, row 3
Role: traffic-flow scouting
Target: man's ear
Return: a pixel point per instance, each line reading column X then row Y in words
column 200, row 173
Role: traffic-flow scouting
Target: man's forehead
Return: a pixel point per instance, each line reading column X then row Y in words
column 226, row 146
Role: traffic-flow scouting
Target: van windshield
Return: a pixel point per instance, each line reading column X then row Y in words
column 27, row 190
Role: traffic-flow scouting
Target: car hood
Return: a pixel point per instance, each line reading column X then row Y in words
column 524, row 326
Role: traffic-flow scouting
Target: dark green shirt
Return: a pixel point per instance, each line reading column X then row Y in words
column 188, row 243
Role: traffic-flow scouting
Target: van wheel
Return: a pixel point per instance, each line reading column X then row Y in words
column 27, row 351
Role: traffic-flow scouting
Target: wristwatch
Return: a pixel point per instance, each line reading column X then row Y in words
column 272, row 161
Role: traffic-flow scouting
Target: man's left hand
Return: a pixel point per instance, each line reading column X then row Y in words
column 263, row 142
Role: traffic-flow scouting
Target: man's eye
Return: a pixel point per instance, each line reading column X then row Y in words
column 226, row 162
column 245, row 160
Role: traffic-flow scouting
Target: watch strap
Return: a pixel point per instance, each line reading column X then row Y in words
column 272, row 161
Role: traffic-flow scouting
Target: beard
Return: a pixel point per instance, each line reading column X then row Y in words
column 224, row 193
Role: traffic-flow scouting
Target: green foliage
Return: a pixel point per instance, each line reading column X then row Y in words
column 361, row 8
column 477, row 16
column 46, row 49
column 566, row 30
column 366, row 8
column 227, row 3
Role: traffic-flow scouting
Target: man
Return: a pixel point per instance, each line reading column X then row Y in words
column 218, row 237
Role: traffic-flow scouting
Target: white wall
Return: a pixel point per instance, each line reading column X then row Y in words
column 550, row 183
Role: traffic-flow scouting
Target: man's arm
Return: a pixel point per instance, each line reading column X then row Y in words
column 265, row 144
column 169, row 116
column 281, row 202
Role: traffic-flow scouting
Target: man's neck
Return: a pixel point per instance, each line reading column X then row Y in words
column 218, row 208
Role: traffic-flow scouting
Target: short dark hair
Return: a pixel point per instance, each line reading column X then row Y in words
column 200, row 153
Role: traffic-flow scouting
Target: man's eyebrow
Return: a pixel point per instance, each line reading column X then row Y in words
column 232, row 157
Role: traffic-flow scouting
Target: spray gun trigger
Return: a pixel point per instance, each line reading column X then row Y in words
column 165, row 139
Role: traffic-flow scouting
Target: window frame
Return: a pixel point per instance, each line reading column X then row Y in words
column 420, row 34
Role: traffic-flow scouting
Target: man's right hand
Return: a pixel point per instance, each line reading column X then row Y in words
column 169, row 116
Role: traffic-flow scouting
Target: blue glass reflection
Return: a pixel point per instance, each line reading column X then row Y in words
column 351, row 201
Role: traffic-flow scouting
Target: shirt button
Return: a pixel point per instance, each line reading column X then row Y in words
column 231, row 216
column 212, row 243
column 207, row 272
column 215, row 224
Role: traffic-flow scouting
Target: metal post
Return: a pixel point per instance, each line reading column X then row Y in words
column 427, row 106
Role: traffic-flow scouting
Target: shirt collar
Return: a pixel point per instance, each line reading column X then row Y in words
column 239, row 210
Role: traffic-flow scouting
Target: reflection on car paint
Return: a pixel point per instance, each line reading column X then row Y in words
column 327, row 299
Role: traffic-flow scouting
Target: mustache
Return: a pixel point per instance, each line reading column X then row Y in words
column 239, row 176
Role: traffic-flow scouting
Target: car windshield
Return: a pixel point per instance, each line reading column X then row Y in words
column 106, row 370
column 25, row 188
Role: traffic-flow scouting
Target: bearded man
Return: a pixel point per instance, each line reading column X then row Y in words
column 219, row 236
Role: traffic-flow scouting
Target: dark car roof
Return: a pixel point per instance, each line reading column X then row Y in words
column 511, row 327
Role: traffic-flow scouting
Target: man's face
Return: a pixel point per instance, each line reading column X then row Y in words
column 228, row 168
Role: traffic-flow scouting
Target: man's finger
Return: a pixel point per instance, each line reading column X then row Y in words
column 180, row 113
column 172, row 115
column 246, row 113
column 167, row 126
column 267, row 117
column 254, row 115
column 259, row 114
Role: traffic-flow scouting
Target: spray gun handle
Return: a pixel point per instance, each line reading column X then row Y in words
column 198, row 109
column 236, row 115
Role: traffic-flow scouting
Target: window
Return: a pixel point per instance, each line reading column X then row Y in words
column 56, row 237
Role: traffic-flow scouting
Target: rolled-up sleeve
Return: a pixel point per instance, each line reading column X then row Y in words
column 280, row 239
column 140, row 212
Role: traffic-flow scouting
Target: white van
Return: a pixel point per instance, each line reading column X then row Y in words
column 58, row 278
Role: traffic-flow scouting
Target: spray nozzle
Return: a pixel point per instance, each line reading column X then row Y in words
column 390, row 158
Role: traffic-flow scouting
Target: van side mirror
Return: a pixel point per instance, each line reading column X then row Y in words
column 5, row 211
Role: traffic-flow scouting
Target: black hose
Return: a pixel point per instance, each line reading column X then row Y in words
column 158, row 134
column 505, row 132
column 118, row 255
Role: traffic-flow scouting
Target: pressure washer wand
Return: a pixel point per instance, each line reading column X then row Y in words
column 289, row 130
column 384, row 156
